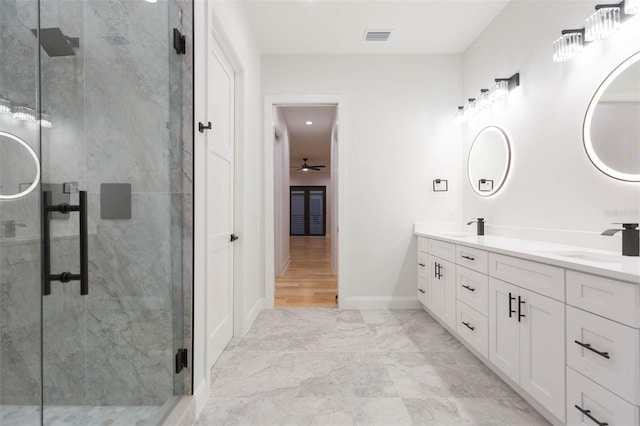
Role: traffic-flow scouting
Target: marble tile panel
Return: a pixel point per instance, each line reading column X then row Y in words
column 304, row 411
column 413, row 336
column 473, row 411
column 300, row 375
column 444, row 374
column 395, row 317
column 94, row 415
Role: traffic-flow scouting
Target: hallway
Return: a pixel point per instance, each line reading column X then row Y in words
column 343, row 367
column 309, row 280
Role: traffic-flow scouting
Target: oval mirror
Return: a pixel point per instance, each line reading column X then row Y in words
column 611, row 129
column 20, row 171
column 489, row 160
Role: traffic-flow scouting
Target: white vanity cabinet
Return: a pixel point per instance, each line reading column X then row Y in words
column 436, row 279
column 603, row 351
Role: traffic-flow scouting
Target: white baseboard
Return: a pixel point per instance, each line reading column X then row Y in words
column 252, row 315
column 398, row 302
column 201, row 396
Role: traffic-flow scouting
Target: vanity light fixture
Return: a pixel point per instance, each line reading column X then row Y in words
column 606, row 19
column 440, row 185
column 495, row 93
column 24, row 113
column 5, row 106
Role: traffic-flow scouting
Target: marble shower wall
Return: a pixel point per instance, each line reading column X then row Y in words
column 118, row 111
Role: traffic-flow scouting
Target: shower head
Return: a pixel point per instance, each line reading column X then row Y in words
column 55, row 43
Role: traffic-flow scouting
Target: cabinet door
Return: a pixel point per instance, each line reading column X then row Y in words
column 542, row 350
column 504, row 330
column 448, row 283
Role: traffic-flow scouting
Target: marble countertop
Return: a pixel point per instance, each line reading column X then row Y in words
column 606, row 263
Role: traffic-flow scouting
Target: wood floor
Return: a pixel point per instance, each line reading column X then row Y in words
column 309, row 279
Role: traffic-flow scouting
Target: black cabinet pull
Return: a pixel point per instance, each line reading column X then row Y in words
column 421, row 264
column 469, row 288
column 588, row 346
column 202, row 127
column 64, row 277
column 468, row 257
column 511, row 310
column 468, row 326
column 438, row 271
column 421, row 290
column 588, row 414
column 233, row 238
column 520, row 303
column 435, row 269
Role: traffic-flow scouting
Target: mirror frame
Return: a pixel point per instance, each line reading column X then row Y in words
column 36, row 181
column 586, row 124
column 503, row 177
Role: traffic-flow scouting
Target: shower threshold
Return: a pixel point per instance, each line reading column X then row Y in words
column 20, row 415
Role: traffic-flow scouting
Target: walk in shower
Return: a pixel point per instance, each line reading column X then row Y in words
column 95, row 210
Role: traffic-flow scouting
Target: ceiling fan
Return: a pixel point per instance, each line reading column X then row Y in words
column 305, row 167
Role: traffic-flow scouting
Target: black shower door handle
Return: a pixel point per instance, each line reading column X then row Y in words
column 65, row 277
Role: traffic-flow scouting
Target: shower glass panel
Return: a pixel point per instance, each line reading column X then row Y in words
column 93, row 268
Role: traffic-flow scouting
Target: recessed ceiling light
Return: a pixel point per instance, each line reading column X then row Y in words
column 308, row 123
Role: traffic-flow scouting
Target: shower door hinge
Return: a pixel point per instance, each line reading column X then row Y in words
column 181, row 360
column 179, row 42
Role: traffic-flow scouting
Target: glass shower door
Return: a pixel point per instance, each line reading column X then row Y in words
column 92, row 253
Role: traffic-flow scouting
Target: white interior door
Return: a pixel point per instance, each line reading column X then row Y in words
column 220, row 201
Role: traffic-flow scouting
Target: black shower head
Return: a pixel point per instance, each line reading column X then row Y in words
column 55, row 43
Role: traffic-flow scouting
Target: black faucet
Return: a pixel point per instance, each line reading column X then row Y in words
column 480, row 222
column 630, row 238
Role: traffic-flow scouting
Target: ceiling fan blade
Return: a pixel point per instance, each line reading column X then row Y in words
column 319, row 165
column 314, row 168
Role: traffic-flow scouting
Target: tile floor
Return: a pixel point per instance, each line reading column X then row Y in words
column 321, row 366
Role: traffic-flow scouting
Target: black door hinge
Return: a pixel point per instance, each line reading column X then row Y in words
column 179, row 42
column 181, row 360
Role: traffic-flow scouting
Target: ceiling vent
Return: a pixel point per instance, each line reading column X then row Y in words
column 377, row 35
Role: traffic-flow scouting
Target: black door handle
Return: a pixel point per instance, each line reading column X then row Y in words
column 520, row 303
column 468, row 257
column 469, row 288
column 588, row 414
column 588, row 346
column 438, row 271
column 202, row 127
column 511, row 311
column 234, row 237
column 65, row 277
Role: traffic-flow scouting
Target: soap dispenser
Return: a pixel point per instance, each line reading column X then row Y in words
column 630, row 238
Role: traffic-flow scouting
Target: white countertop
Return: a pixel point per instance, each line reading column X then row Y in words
column 606, row 263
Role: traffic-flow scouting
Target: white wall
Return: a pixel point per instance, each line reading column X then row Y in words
column 553, row 192
column 281, row 188
column 312, row 178
column 334, row 190
column 399, row 137
column 233, row 33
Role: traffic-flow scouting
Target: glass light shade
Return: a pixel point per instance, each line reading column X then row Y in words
column 498, row 90
column 459, row 118
column 567, row 46
column 5, row 106
column 24, row 113
column 601, row 23
column 470, row 108
column 45, row 121
column 484, row 101
column 631, row 7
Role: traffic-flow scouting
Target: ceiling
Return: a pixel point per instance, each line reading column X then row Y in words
column 337, row 26
column 309, row 141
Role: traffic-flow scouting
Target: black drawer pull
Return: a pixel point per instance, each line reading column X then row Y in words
column 468, row 257
column 468, row 326
column 421, row 290
column 469, row 288
column 588, row 414
column 520, row 303
column 588, row 346
column 421, row 264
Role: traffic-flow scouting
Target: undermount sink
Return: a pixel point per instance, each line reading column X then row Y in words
column 586, row 256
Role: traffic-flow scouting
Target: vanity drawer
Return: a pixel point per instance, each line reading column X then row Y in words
column 473, row 328
column 442, row 249
column 472, row 258
column 617, row 366
column 423, row 265
column 603, row 406
column 472, row 288
column 612, row 299
column 538, row 277
column 423, row 244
